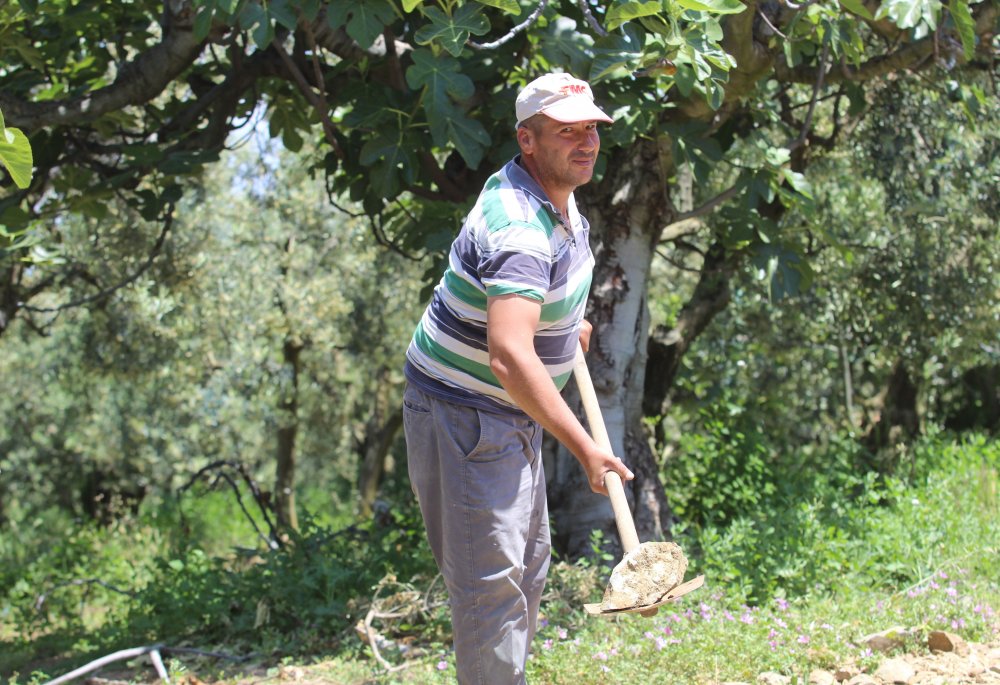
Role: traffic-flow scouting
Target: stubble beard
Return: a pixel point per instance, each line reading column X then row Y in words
column 564, row 173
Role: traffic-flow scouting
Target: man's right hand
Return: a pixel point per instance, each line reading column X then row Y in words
column 599, row 463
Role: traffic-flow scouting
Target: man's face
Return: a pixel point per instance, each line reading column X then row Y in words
column 564, row 154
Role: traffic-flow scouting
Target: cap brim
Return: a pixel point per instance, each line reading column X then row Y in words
column 574, row 109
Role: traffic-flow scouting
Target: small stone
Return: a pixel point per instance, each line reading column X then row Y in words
column 862, row 679
column 941, row 641
column 821, row 677
column 887, row 640
column 293, row 673
column 845, row 673
column 772, row 678
column 895, row 671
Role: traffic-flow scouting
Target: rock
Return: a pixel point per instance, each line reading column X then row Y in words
column 821, row 677
column 895, row 671
column 293, row 673
column 941, row 641
column 862, row 679
column 887, row 640
column 845, row 673
column 772, row 678
column 976, row 667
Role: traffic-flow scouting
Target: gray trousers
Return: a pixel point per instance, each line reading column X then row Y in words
column 479, row 481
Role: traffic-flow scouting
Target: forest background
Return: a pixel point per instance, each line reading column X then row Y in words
column 230, row 215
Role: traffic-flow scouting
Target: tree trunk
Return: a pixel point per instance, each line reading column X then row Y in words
column 380, row 432
column 668, row 345
column 627, row 210
column 284, row 482
column 893, row 418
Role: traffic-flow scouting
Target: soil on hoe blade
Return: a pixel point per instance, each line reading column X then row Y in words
column 644, row 576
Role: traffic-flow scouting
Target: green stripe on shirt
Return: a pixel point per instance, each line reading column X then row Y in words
column 464, row 291
column 555, row 311
column 442, row 354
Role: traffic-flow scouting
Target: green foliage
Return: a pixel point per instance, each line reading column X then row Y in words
column 723, row 467
column 296, row 598
column 15, row 154
column 73, row 578
column 792, row 584
column 185, row 366
column 837, row 528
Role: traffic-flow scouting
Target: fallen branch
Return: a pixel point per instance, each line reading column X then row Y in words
column 407, row 604
column 152, row 650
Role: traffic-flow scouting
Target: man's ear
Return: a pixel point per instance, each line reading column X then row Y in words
column 525, row 140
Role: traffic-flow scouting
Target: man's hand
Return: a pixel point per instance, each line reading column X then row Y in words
column 585, row 330
column 597, row 466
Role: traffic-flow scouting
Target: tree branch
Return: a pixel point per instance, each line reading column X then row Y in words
column 678, row 229
column 137, row 82
column 274, row 541
column 907, row 56
column 722, row 197
column 597, row 28
column 807, row 122
column 514, row 31
column 318, row 102
column 40, row 600
column 106, row 292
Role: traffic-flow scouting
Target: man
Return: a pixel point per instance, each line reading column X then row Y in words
column 485, row 369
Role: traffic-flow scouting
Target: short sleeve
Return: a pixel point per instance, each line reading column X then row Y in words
column 516, row 259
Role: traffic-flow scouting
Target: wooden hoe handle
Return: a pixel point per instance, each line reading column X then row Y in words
column 623, row 517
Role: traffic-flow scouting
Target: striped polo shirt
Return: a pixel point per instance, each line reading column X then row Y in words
column 513, row 241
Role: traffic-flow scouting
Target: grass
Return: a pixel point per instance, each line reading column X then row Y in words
column 917, row 551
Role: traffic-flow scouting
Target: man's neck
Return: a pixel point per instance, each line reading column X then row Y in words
column 559, row 199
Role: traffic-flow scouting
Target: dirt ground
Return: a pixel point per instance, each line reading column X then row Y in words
column 946, row 659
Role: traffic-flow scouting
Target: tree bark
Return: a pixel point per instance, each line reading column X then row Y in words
column 380, row 431
column 627, row 210
column 284, row 482
column 668, row 345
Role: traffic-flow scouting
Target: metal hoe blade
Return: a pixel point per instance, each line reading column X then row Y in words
column 672, row 595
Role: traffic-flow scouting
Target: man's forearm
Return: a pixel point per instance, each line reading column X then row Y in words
column 525, row 378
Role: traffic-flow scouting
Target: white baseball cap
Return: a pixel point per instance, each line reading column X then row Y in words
column 560, row 97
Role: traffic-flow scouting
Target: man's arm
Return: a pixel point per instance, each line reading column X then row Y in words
column 511, row 322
